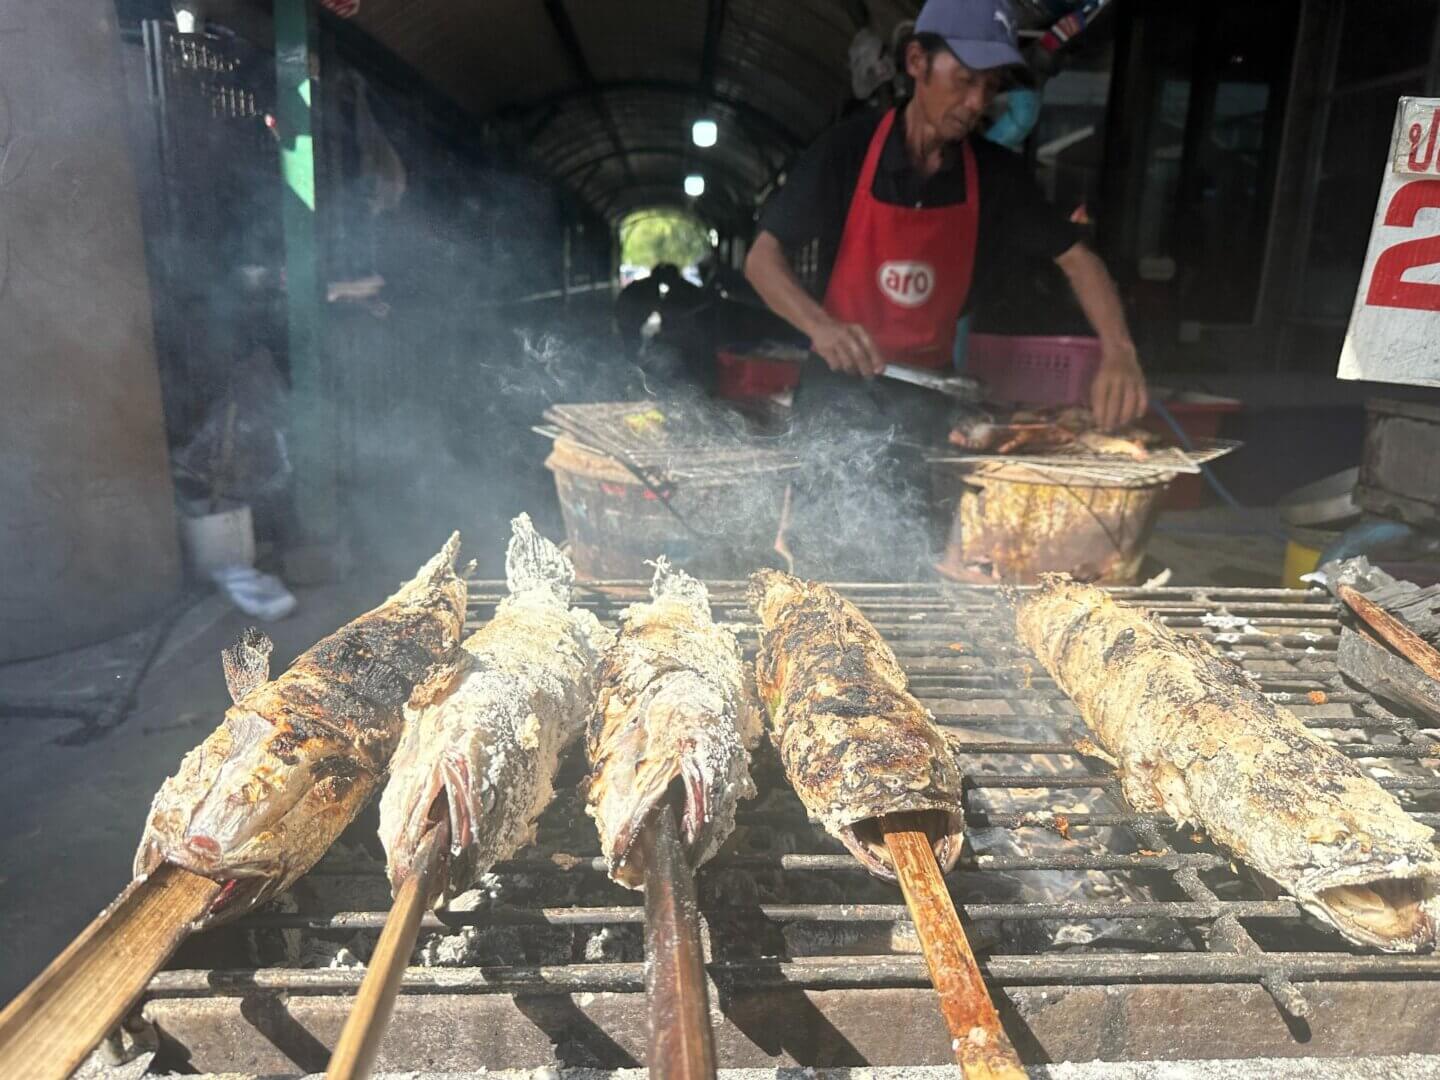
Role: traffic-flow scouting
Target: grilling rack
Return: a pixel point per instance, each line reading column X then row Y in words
column 1072, row 466
column 669, row 441
column 1105, row 934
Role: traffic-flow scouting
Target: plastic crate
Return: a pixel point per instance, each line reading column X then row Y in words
column 743, row 377
column 1034, row 370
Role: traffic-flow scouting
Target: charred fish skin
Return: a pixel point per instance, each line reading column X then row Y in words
column 491, row 747
column 674, row 704
column 854, row 742
column 1194, row 737
column 259, row 801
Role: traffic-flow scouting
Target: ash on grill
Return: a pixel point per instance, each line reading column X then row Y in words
column 1104, row 933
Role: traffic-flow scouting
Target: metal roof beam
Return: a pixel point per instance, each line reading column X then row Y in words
column 714, row 212
column 780, row 134
column 738, row 180
column 714, row 28
column 570, row 41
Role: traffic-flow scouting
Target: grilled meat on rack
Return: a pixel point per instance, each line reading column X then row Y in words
column 855, row 743
column 1038, row 431
column 260, row 800
column 1193, row 736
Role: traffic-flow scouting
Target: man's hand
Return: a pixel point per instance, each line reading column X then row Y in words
column 847, row 347
column 1117, row 396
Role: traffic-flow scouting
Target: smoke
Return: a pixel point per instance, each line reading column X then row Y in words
column 458, row 451
column 861, row 506
column 438, row 375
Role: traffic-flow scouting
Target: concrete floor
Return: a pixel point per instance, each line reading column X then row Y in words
column 74, row 809
column 74, row 800
column 1219, row 547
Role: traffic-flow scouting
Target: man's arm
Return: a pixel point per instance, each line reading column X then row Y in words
column 845, row 347
column 1117, row 395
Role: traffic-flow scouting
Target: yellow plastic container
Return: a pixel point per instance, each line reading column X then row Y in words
column 1302, row 553
column 1299, row 561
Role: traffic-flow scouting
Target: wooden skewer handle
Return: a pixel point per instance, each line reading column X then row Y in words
column 682, row 1044
column 54, row 1023
column 1405, row 641
column 982, row 1049
column 359, row 1042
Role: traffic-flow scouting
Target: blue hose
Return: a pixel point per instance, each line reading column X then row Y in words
column 1205, row 470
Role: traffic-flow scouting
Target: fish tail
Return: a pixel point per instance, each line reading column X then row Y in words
column 768, row 591
column 673, row 584
column 439, row 571
column 532, row 562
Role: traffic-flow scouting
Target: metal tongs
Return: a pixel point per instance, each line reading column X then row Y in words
column 959, row 387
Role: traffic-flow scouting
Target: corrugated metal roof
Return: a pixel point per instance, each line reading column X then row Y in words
column 606, row 90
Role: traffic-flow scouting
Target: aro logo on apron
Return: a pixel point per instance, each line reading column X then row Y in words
column 906, row 282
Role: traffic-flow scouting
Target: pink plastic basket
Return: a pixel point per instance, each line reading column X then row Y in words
column 1033, row 370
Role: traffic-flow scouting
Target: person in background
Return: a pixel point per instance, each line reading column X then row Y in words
column 648, row 302
column 663, row 325
column 907, row 209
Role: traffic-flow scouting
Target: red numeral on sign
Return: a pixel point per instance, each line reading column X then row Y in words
column 1386, row 287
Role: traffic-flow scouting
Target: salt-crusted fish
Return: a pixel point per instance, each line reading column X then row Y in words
column 260, row 800
column 855, row 743
column 486, row 753
column 1194, row 736
column 674, row 705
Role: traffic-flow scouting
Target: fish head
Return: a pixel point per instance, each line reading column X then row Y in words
column 442, row 770
column 256, row 803
column 943, row 826
column 1392, row 908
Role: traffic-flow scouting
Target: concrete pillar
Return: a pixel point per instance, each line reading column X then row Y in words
column 88, row 542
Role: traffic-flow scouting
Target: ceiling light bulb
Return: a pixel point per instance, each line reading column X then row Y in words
column 188, row 17
column 705, row 133
column 694, row 185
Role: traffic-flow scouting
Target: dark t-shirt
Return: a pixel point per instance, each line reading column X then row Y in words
column 807, row 215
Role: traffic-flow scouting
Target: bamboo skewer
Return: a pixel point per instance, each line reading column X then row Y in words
column 1405, row 641
column 359, row 1041
column 982, row 1049
column 682, row 1045
column 54, row 1023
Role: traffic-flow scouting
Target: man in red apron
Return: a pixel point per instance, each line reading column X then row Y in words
column 893, row 215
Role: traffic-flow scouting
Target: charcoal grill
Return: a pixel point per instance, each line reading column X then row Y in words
column 1104, row 934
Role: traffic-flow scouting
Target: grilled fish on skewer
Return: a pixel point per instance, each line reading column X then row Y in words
column 1195, row 737
column 491, row 746
column 260, row 800
column 854, row 742
column 673, row 705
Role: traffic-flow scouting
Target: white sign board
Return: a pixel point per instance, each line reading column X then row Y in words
column 1394, row 333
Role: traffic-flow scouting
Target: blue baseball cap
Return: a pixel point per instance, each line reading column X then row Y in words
column 981, row 33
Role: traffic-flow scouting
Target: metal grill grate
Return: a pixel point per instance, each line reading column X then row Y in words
column 1078, row 466
column 1063, row 885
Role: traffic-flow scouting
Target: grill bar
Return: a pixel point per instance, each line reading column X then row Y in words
column 788, row 913
column 1415, row 753
column 1061, row 969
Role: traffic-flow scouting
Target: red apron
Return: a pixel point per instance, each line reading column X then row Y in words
column 904, row 273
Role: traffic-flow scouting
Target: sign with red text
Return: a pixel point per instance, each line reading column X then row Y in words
column 1394, row 333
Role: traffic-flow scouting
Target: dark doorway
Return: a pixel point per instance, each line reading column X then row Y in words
column 1194, row 135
